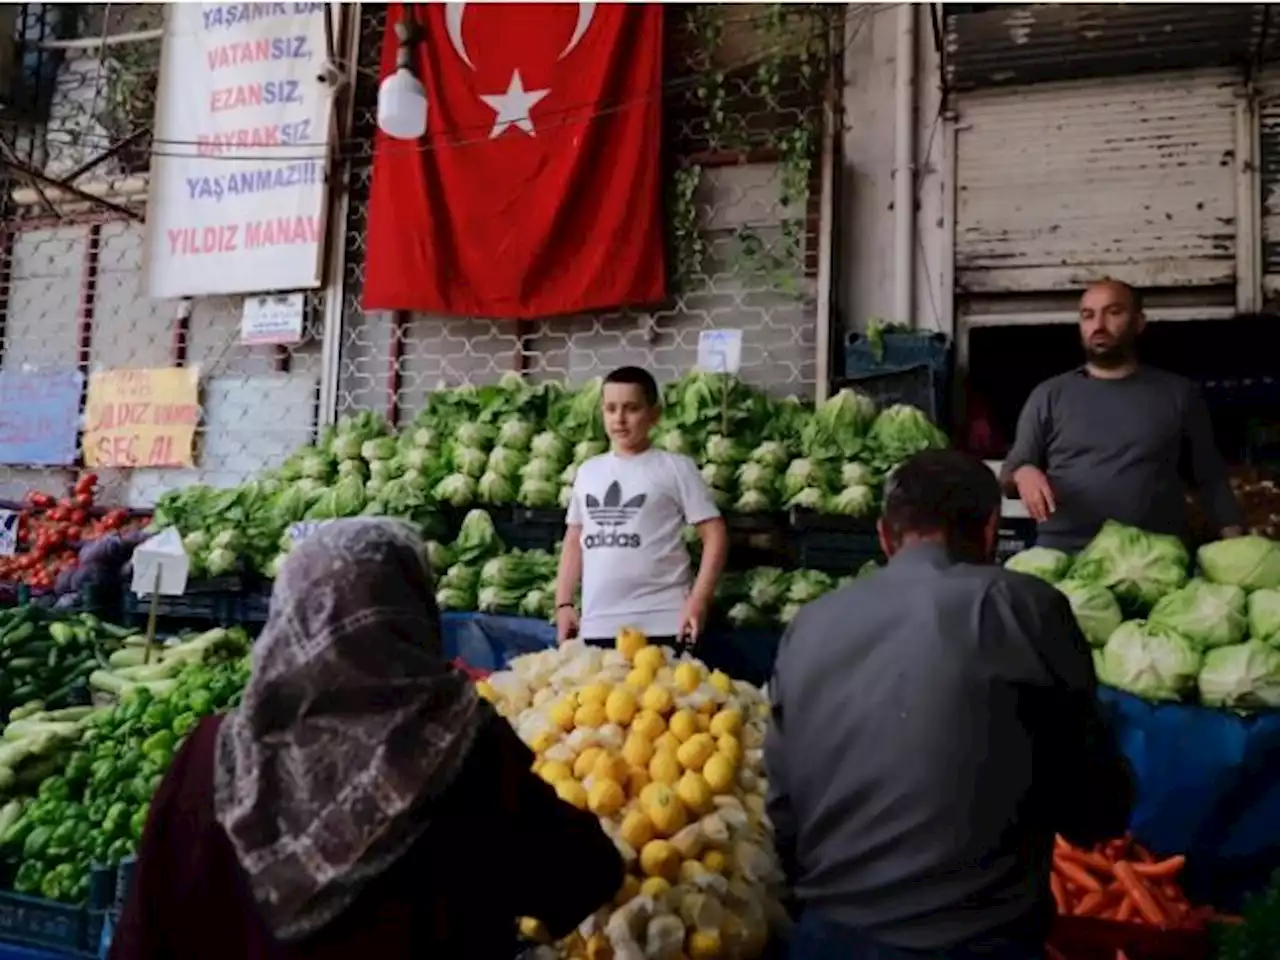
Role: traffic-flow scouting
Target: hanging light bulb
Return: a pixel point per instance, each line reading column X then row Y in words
column 402, row 100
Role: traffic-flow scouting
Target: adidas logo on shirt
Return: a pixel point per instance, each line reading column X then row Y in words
column 611, row 514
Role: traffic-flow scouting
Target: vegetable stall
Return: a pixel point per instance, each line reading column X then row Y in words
column 94, row 716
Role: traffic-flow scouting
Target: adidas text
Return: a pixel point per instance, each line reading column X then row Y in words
column 628, row 541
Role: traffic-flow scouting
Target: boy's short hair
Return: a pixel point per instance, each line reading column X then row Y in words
column 637, row 377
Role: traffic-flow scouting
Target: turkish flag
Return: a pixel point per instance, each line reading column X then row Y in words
column 535, row 191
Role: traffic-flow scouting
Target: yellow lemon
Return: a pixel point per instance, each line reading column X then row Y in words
column 704, row 945
column 664, row 810
column 721, row 681
column 485, row 689
column 544, row 741
column 718, row 772
column 532, row 929
column 664, row 768
column 648, row 795
column 690, row 871
column 693, row 791
column 589, row 715
column 586, row 762
column 648, row 724
column 553, row 771
column 561, row 714
column 605, row 798
column 658, row 699
column 649, row 658
column 688, row 677
column 620, row 708
column 704, row 722
column 636, row 829
column 707, row 708
column 726, row 722
column 593, row 693
column 639, row 679
column 629, row 889
column 668, row 742
column 630, row 641
column 599, row 947
column 637, row 750
column 659, row 859
column 715, row 862
column 637, row 780
column 683, row 725
column 730, row 747
column 696, row 752
column 655, row 887
column 571, row 791
column 609, row 767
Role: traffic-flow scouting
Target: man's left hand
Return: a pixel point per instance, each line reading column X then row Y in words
column 693, row 618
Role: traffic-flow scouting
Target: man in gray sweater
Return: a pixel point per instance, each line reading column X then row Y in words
column 933, row 726
column 1116, row 440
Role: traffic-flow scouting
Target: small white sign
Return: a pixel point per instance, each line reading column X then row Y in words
column 274, row 319
column 720, row 351
column 163, row 554
column 8, row 532
column 301, row 531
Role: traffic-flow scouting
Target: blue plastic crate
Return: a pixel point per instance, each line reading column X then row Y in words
column 894, row 369
column 43, row 923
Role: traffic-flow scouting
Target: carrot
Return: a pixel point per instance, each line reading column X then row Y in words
column 1124, row 912
column 1077, row 875
column 1059, row 894
column 1144, row 855
column 1086, row 858
column 1143, row 899
column 1162, row 869
column 1090, row 904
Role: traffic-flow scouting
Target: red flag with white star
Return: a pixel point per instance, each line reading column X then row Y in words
column 536, row 189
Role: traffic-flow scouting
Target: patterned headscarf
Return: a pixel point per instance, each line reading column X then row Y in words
column 350, row 721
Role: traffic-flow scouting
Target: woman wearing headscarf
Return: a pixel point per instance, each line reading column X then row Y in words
column 362, row 801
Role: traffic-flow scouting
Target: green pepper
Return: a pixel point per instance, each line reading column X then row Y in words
column 138, row 821
column 61, row 634
column 140, row 788
column 183, row 723
column 200, row 702
column 36, row 841
column 17, row 834
column 46, row 813
column 116, row 819
column 157, row 716
column 63, row 837
column 27, row 880
column 102, row 771
column 55, row 788
column 119, row 850
column 79, row 768
column 159, row 744
column 97, row 811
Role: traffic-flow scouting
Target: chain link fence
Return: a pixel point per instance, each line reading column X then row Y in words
column 743, row 115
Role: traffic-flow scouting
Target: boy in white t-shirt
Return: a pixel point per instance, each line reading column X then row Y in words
column 625, row 523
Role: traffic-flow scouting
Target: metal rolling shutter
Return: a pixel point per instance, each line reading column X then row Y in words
column 1061, row 183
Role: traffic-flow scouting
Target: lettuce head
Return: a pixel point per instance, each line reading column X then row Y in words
column 1138, row 567
column 1096, row 610
column 1049, row 565
column 1151, row 661
column 1251, row 562
column 1208, row 614
column 1242, row 676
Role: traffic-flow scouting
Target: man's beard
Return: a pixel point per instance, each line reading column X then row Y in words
column 1110, row 354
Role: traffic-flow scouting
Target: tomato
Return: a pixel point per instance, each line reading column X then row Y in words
column 79, row 517
column 81, row 501
column 86, row 483
column 40, row 501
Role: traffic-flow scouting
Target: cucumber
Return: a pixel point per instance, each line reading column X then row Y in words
column 26, row 710
column 9, row 815
column 23, row 664
column 18, row 633
column 26, row 692
column 128, row 657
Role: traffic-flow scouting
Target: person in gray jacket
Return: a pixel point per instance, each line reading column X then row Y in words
column 933, row 726
column 1115, row 439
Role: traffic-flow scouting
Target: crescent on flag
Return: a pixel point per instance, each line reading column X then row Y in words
column 454, row 12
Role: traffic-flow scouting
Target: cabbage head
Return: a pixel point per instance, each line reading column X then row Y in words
column 584, row 450
column 753, row 501
column 477, row 537
column 674, row 441
column 757, row 476
column 549, row 445
column 766, row 587
column 1264, row 616
column 846, row 414
column 856, row 474
column 1242, row 676
column 538, row 494
column 505, row 461
column 1151, row 661
column 1097, row 612
column 771, row 453
column 721, row 449
column 1208, row 614
column 381, row 448
column 855, row 501
column 804, row 473
column 472, row 434
column 516, row 433
column 566, row 496
column 1138, row 567
column 1251, row 562
column 457, row 489
column 470, row 461
column 901, row 431
column 1049, row 565
column 439, row 557
column 808, row 585
column 810, row 498
column 718, row 476
column 495, row 489
column 745, row 615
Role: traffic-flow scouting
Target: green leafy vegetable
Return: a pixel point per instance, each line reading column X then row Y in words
column 1208, row 614
column 1151, row 661
column 1242, row 677
column 1138, row 567
column 1251, row 562
column 1096, row 610
column 1049, row 565
column 1264, row 616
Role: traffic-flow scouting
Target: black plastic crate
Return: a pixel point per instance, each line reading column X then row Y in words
column 43, row 923
column 917, row 386
column 124, row 881
column 255, row 605
column 758, row 540
column 1015, row 535
column 834, row 544
column 216, row 609
column 522, row 528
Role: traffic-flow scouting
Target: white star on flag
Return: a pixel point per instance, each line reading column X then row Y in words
column 512, row 108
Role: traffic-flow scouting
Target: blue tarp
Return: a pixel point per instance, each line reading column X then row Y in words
column 1208, row 781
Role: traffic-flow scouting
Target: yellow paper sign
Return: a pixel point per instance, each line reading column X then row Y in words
column 142, row 418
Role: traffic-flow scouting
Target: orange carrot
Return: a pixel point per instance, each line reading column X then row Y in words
column 1143, row 899
column 1059, row 894
column 1162, row 869
column 1090, row 904
column 1077, row 875
column 1086, row 858
column 1124, row 912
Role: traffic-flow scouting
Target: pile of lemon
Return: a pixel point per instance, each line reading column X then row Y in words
column 668, row 755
